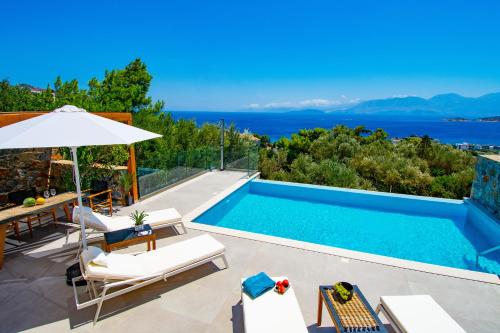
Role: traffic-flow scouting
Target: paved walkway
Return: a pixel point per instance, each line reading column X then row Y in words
column 34, row 297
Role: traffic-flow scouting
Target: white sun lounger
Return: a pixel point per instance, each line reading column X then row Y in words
column 417, row 314
column 101, row 223
column 122, row 273
column 272, row 312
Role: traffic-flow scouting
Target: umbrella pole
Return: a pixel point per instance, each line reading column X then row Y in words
column 79, row 194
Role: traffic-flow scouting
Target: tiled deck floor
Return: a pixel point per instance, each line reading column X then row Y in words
column 34, row 297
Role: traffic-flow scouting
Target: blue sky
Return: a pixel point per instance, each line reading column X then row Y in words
column 229, row 55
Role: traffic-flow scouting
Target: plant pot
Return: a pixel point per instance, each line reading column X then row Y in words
column 349, row 288
column 127, row 200
column 139, row 227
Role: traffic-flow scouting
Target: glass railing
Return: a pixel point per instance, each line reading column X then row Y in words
column 244, row 158
column 175, row 167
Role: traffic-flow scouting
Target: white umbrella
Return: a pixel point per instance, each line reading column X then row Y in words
column 70, row 126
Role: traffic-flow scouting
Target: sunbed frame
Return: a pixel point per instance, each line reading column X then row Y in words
column 93, row 231
column 98, row 299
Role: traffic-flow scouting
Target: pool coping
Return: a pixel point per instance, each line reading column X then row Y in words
column 188, row 220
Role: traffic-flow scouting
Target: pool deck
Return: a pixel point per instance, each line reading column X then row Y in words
column 34, row 296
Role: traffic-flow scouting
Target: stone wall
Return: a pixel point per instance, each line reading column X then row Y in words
column 486, row 185
column 22, row 169
column 60, row 169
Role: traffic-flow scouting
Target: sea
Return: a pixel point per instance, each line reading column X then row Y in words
column 278, row 125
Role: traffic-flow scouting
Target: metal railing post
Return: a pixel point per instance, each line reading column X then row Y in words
column 248, row 162
column 222, row 144
column 206, row 158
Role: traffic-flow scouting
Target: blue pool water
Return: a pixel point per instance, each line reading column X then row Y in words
column 436, row 231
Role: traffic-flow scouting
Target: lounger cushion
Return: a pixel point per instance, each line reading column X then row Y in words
column 101, row 259
column 100, row 264
column 105, row 223
column 163, row 216
column 119, row 266
column 92, row 220
column 272, row 312
column 91, row 253
column 180, row 254
column 163, row 260
column 419, row 314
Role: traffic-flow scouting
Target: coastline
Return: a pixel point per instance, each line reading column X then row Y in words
column 278, row 125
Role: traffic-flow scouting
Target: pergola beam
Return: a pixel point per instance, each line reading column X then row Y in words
column 8, row 118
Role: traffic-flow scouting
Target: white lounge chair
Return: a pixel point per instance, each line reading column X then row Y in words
column 169, row 217
column 417, row 314
column 126, row 272
column 99, row 223
column 272, row 312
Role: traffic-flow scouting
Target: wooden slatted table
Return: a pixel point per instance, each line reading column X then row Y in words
column 18, row 212
column 355, row 315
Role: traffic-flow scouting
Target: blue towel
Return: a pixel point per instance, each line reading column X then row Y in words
column 258, row 284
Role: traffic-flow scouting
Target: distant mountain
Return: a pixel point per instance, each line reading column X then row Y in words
column 444, row 105
column 311, row 112
column 490, row 119
column 399, row 105
column 494, row 119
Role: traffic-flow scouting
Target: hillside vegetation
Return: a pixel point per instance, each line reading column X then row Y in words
column 362, row 159
column 345, row 157
column 126, row 90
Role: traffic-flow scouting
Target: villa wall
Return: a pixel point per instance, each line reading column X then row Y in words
column 486, row 185
column 23, row 169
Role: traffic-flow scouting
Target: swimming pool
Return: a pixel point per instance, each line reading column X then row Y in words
column 429, row 230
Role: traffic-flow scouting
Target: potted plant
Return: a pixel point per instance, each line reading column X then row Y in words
column 138, row 218
column 125, row 182
column 342, row 292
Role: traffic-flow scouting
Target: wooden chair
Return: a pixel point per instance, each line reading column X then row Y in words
column 16, row 198
column 100, row 196
column 38, row 217
column 14, row 226
column 101, row 201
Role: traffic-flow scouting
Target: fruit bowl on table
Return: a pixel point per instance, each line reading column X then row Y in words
column 347, row 289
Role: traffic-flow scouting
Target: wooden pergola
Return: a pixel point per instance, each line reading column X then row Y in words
column 7, row 118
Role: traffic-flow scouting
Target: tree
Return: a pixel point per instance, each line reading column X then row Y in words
column 424, row 146
column 392, row 177
column 265, row 140
column 300, row 169
column 121, row 90
column 360, row 131
column 126, row 90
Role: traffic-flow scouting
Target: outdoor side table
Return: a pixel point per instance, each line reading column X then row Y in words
column 127, row 237
column 355, row 315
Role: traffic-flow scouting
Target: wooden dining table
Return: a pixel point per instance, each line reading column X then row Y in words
column 16, row 213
